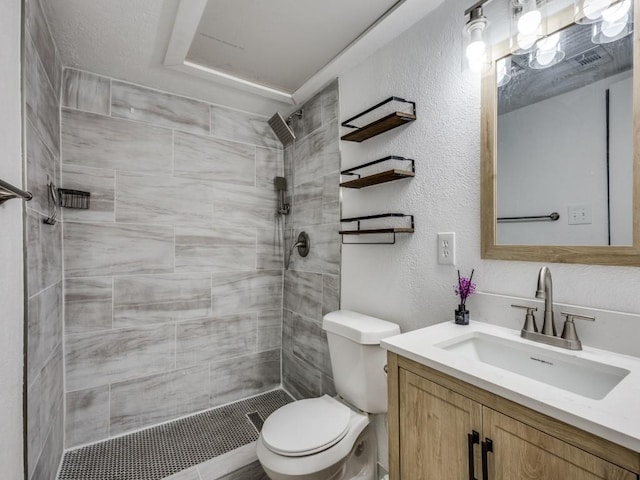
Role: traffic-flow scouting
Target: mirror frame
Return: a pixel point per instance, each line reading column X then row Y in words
column 596, row 255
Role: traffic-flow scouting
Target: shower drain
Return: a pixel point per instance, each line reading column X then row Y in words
column 157, row 452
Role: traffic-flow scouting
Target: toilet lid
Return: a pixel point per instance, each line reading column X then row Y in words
column 306, row 427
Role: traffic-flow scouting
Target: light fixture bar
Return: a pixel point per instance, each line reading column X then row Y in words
column 480, row 3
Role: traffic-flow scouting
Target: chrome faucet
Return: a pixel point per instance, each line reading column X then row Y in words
column 569, row 338
column 545, row 291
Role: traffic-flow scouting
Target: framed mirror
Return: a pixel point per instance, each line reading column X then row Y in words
column 560, row 158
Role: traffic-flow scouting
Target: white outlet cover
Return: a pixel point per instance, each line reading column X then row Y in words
column 447, row 248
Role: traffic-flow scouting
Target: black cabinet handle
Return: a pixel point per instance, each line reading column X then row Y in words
column 472, row 439
column 487, row 446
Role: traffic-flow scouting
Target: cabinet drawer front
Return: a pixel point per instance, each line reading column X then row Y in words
column 523, row 452
column 434, row 424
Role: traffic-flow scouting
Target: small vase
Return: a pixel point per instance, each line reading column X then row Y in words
column 462, row 315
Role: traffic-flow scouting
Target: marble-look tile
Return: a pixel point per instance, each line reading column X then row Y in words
column 99, row 358
column 228, row 462
column 307, row 203
column 215, row 249
column 324, row 256
column 242, row 127
column 103, row 142
column 299, row 378
column 331, row 198
column 147, row 299
column 269, row 330
column 311, row 118
column 246, row 291
column 158, row 108
column 38, row 29
column 310, row 343
column 87, row 416
column 85, row 91
column 100, row 184
column 48, row 115
column 211, row 339
column 317, row 154
column 330, row 293
column 242, row 206
column 253, row 471
column 287, row 331
column 270, row 248
column 162, row 200
column 93, row 249
column 269, row 164
column 239, row 377
column 303, row 293
column 44, row 244
column 44, row 328
column 42, row 167
column 188, row 474
column 328, row 386
column 88, row 304
column 47, row 464
column 330, row 102
column 207, row 158
column 44, row 400
column 158, row 398
column 30, row 72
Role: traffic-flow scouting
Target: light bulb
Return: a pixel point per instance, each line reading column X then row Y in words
column 593, row 8
column 529, row 22
column 549, row 43
column 617, row 12
column 475, row 50
column 611, row 30
column 545, row 57
column 525, row 42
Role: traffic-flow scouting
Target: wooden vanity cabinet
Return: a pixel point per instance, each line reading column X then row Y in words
column 439, row 427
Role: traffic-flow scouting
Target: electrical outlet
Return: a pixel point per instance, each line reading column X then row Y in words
column 579, row 214
column 447, row 248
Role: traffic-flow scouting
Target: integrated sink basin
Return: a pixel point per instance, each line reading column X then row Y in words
column 584, row 377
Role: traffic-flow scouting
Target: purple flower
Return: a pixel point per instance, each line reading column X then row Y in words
column 464, row 289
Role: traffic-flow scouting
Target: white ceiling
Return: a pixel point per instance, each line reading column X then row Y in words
column 295, row 46
column 280, row 43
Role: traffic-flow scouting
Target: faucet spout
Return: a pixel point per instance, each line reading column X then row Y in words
column 545, row 291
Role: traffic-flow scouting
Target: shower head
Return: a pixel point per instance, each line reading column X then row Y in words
column 280, row 183
column 282, row 129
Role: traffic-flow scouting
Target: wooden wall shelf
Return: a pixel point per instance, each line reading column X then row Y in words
column 380, row 125
column 381, row 177
column 378, row 230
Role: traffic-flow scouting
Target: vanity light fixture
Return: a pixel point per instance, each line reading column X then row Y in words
column 548, row 52
column 616, row 23
column 527, row 24
column 589, row 11
column 476, row 42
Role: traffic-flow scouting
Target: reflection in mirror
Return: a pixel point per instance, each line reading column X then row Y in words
column 565, row 142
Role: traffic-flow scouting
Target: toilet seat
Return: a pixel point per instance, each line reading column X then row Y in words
column 306, row 427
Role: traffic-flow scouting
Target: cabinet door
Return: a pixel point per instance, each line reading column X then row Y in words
column 434, row 424
column 524, row 453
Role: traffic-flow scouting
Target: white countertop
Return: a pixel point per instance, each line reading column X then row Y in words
column 616, row 417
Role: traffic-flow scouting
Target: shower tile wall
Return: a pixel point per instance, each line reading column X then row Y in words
column 173, row 278
column 44, row 374
column 312, row 284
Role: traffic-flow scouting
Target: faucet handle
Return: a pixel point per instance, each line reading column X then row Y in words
column 530, row 319
column 569, row 330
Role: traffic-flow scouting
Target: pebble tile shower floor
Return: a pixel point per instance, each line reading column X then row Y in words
column 157, row 452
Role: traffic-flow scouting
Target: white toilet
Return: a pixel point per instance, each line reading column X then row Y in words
column 329, row 438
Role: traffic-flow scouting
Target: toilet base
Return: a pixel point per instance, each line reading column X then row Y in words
column 359, row 464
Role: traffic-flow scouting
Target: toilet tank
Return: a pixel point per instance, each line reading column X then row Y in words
column 357, row 360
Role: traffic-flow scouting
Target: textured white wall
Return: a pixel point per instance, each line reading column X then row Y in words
column 11, row 291
column 404, row 282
